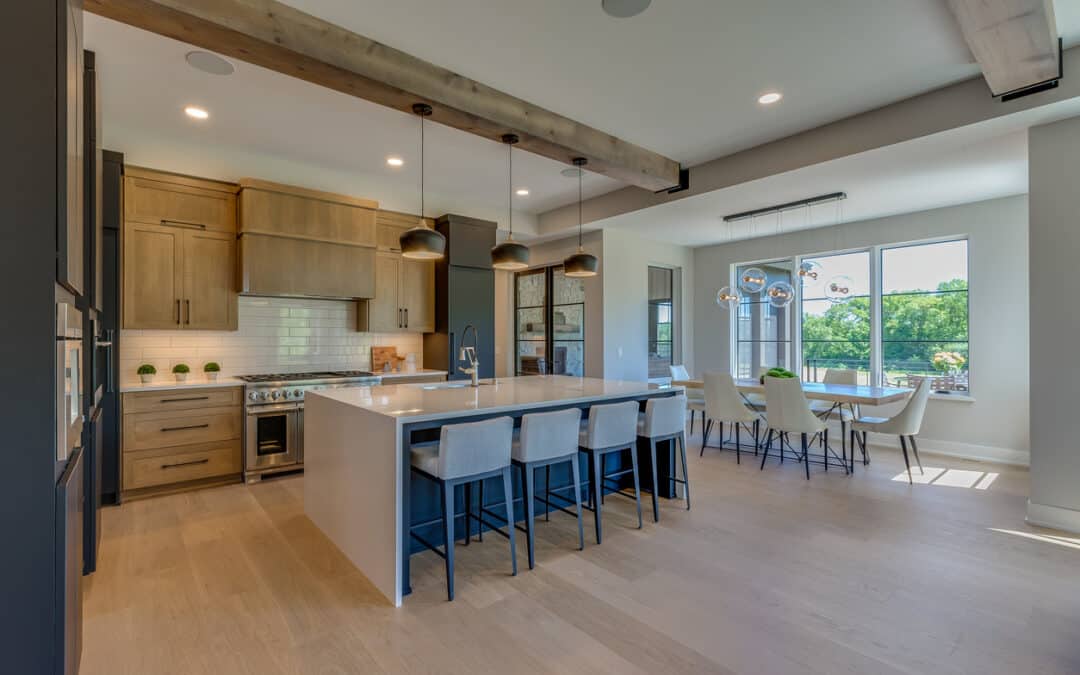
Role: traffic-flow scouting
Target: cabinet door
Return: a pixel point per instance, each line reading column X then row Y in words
column 384, row 310
column 209, row 280
column 178, row 200
column 153, row 278
column 418, row 295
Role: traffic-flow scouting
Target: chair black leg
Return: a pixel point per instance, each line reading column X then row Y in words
column 448, row 522
column 597, row 485
column 843, row 441
column 705, row 436
column 637, row 485
column 865, row 448
column 903, row 446
column 508, row 492
column 685, row 469
column 547, row 492
column 768, row 446
column 806, row 456
column 528, row 474
column 757, row 441
column 824, row 448
column 851, row 442
column 738, row 450
column 915, row 449
column 652, row 456
column 576, row 470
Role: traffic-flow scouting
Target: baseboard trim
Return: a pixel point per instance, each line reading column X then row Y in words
column 1055, row 517
column 979, row 453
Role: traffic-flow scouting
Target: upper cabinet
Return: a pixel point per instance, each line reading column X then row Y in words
column 70, row 233
column 179, row 252
column 404, row 289
column 296, row 241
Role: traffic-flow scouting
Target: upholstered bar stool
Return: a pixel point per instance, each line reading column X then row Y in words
column 612, row 428
column 467, row 453
column 546, row 439
column 665, row 420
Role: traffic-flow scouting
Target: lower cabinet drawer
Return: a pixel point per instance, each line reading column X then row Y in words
column 177, row 465
column 144, row 431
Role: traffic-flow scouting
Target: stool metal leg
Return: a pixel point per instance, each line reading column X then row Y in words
column 685, row 469
column 597, row 481
column 637, row 485
column 652, row 456
column 468, row 513
column 547, row 492
column 527, row 475
column 448, row 522
column 508, row 494
column 480, row 525
column 577, row 501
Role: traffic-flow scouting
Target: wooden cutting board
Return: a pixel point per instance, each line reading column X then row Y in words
column 380, row 356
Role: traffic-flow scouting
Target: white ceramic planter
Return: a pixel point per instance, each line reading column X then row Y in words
column 181, row 377
column 146, row 378
column 211, row 377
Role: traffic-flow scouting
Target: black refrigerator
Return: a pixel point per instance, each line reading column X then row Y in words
column 464, row 296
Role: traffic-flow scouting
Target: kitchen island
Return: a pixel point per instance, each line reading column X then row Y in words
column 357, row 485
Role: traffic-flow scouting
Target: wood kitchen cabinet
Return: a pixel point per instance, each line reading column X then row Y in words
column 404, row 296
column 179, row 253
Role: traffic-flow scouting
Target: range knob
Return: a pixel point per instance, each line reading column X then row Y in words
column 299, row 393
column 262, row 395
column 286, row 393
column 254, row 396
column 275, row 394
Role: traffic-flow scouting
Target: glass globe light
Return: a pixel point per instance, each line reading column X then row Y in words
column 752, row 280
column 780, row 294
column 838, row 289
column 810, row 269
column 727, row 297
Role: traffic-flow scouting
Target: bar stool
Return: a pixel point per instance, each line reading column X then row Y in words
column 611, row 428
column 467, row 453
column 546, row 439
column 665, row 420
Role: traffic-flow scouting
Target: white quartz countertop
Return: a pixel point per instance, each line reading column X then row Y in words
column 164, row 383
column 422, row 402
column 423, row 372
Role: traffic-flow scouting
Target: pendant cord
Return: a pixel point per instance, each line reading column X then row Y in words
column 421, row 170
column 510, row 187
column 581, row 173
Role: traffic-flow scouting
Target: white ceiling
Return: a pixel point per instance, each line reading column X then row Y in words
column 681, row 79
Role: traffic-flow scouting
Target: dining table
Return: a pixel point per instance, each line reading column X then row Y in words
column 838, row 395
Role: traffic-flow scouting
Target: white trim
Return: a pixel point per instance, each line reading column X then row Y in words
column 1056, row 517
column 981, row 453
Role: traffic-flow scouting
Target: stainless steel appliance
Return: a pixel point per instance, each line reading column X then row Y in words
column 69, row 380
column 274, row 425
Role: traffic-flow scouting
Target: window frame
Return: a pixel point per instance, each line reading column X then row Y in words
column 876, row 252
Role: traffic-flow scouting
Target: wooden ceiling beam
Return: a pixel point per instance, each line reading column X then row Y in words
column 283, row 39
column 1014, row 41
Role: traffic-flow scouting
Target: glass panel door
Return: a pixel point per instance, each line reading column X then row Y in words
column 549, row 323
column 530, row 325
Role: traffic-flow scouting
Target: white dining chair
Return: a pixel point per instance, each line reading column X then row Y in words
column 757, row 401
column 695, row 398
column 723, row 403
column 788, row 412
column 906, row 424
column 846, row 413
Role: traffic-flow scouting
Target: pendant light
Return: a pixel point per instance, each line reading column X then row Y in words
column 580, row 264
column 422, row 242
column 510, row 255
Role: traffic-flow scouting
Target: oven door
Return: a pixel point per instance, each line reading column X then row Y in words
column 69, row 381
column 270, row 437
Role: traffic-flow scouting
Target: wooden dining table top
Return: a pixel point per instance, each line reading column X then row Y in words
column 838, row 393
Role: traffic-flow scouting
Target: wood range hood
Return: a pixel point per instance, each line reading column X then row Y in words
column 297, row 242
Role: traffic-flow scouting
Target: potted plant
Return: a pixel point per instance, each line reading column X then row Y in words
column 783, row 373
column 211, row 369
column 180, row 371
column 146, row 373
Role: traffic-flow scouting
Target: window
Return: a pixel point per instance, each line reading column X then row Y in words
column 763, row 333
column 924, row 315
column 836, row 315
column 548, row 298
column 661, row 322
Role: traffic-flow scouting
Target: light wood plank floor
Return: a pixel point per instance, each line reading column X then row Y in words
column 768, row 573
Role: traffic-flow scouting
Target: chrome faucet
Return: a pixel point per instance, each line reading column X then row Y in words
column 469, row 354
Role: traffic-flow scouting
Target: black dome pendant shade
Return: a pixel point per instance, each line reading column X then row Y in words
column 510, row 255
column 580, row 264
column 422, row 242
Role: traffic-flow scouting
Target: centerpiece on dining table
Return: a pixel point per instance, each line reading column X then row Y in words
column 782, row 373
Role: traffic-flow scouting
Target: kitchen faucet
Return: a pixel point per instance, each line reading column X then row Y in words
column 469, row 354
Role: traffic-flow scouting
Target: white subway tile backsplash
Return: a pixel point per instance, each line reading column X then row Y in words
column 275, row 335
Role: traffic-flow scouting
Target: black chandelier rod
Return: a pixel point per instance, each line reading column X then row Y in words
column 820, row 199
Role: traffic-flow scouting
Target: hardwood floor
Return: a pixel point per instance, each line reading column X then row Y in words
column 769, row 573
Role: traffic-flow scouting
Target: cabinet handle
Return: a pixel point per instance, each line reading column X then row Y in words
column 406, row 317
column 399, row 317
column 187, row 306
column 193, row 462
column 178, row 312
column 188, row 398
column 193, row 426
column 183, row 223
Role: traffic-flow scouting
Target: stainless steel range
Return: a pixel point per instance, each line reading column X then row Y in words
column 274, row 428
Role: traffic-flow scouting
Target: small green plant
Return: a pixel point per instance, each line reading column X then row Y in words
column 782, row 373
column 181, row 369
column 212, row 367
column 147, row 369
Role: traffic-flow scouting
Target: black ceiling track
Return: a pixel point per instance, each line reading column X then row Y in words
column 820, row 199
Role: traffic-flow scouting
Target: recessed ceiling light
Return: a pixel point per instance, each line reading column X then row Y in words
column 209, row 63
column 522, row 193
column 395, row 161
column 195, row 112
column 623, row 9
column 770, row 98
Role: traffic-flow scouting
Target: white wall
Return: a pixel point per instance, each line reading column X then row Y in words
column 275, row 335
column 995, row 424
column 1054, row 156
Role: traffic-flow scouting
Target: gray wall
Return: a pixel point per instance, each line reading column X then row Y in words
column 995, row 424
column 1054, row 156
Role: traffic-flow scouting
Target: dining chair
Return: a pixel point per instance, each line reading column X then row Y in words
column 846, row 413
column 788, row 412
column 695, row 398
column 757, row 401
column 906, row 424
column 723, row 403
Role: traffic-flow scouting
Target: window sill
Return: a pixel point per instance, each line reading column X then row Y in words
column 965, row 398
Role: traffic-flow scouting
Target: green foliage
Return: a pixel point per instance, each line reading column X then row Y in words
column 181, row 368
column 778, row 372
column 211, row 367
column 147, row 369
column 915, row 326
